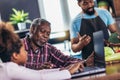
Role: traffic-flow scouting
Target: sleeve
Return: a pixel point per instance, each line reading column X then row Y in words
column 110, row 19
column 21, row 73
column 56, row 75
column 61, row 60
column 75, row 27
column 50, row 70
column 72, row 31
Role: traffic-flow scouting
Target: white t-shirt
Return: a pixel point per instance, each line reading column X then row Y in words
column 12, row 71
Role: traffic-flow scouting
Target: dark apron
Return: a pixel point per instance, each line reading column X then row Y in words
column 88, row 26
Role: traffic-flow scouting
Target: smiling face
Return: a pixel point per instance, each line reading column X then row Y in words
column 87, row 6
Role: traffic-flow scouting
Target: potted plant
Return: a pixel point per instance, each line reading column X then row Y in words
column 20, row 18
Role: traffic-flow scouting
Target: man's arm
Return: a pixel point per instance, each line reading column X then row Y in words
column 79, row 42
column 113, row 28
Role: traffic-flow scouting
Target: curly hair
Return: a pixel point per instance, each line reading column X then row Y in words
column 9, row 42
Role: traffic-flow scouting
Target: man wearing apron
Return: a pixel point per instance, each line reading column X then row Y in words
column 91, row 19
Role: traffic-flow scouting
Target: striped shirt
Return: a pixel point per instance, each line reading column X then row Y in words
column 46, row 53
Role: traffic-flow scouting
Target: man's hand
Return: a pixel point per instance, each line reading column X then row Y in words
column 90, row 60
column 84, row 40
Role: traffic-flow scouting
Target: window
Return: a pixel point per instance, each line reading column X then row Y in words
column 53, row 11
column 53, row 14
column 73, row 8
column 59, row 13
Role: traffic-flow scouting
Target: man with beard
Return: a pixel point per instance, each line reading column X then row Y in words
column 41, row 54
column 90, row 19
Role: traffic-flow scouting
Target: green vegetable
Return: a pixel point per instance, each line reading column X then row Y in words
column 113, row 57
column 108, row 51
column 113, row 38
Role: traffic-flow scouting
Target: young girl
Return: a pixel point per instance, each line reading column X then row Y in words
column 13, row 56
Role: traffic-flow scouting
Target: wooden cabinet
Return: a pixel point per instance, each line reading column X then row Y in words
column 116, row 4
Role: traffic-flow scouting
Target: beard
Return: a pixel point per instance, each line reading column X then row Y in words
column 89, row 12
column 37, row 43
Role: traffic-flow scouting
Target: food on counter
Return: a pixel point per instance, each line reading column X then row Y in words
column 116, row 49
column 113, row 38
column 110, row 55
column 108, row 51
